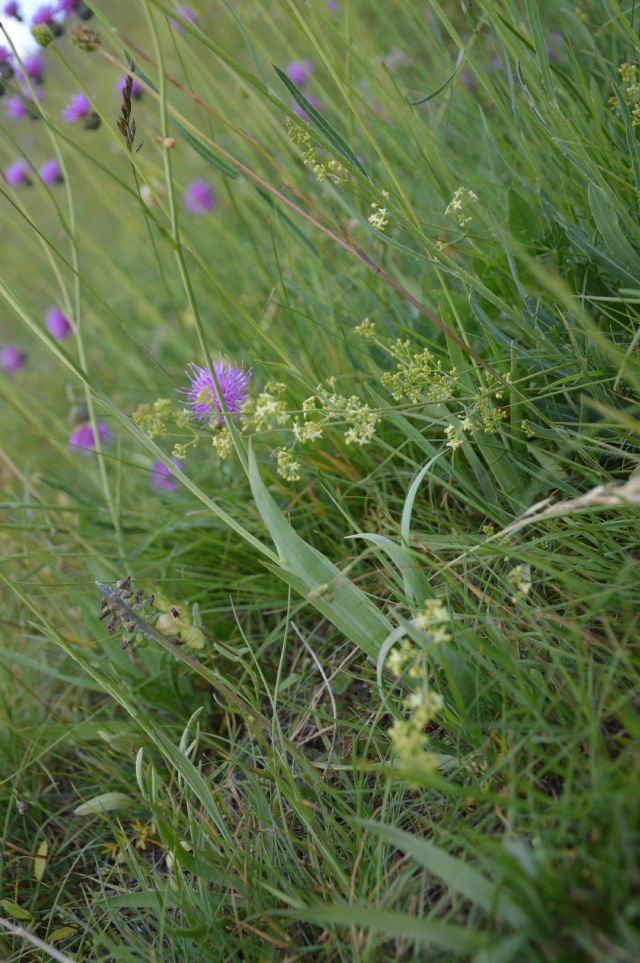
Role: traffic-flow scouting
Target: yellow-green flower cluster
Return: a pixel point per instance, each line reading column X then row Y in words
column 288, row 467
column 520, row 579
column 332, row 170
column 629, row 77
column 222, row 442
column 154, row 419
column 418, row 374
column 459, row 204
column 366, row 329
column 408, row 736
column 267, row 410
column 431, row 620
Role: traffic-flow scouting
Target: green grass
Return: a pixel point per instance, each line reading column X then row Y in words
column 273, row 795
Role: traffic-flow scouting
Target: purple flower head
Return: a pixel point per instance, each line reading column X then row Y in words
column 78, row 108
column 51, row 172
column 17, row 174
column 44, row 14
column 137, row 89
column 12, row 9
column 57, row 323
column 67, row 7
column 299, row 72
column 16, row 108
column 301, row 113
column 5, row 56
column 199, row 197
column 33, row 67
column 233, row 381
column 11, row 359
column 332, row 5
column 187, row 13
column 82, row 435
column 161, row 476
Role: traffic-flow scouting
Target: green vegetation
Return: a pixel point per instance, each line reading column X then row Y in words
column 364, row 684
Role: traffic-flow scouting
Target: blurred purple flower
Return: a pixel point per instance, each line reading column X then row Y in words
column 16, row 108
column 468, row 80
column 67, row 7
column 137, row 89
column 17, row 174
column 199, row 197
column 44, row 14
column 33, row 67
column 161, row 476
column 82, row 435
column 301, row 113
column 553, row 43
column 12, row 9
column 51, row 172
column 299, row 72
column 78, row 108
column 187, row 13
column 5, row 56
column 11, row 359
column 233, row 381
column 332, row 5
column 58, row 323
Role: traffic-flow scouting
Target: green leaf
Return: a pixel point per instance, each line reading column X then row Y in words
column 422, row 931
column 525, row 225
column 457, row 874
column 316, row 578
column 104, row 803
column 416, row 586
column 607, row 223
column 315, row 117
column 14, row 911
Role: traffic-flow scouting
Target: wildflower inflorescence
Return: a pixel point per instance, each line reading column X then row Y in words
column 331, row 170
column 459, row 204
column 631, row 92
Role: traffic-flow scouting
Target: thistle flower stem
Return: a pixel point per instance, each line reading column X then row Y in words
column 175, row 234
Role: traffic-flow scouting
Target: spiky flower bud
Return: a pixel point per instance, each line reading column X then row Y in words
column 42, row 34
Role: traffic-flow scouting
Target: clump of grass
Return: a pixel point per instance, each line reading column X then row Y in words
column 366, row 686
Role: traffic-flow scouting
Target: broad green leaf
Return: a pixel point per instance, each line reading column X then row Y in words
column 14, row 911
column 455, row 938
column 607, row 223
column 457, row 874
column 416, row 586
column 524, row 223
column 316, row 578
column 104, row 803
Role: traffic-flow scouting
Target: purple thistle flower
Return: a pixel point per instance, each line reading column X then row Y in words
column 199, row 197
column 137, row 89
column 12, row 9
column 78, row 108
column 82, row 435
column 58, row 323
column 44, row 14
column 299, row 72
column 232, row 380
column 161, row 476
column 51, row 172
column 16, row 108
column 33, row 67
column 301, row 113
column 17, row 174
column 11, row 359
column 187, row 13
column 332, row 5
